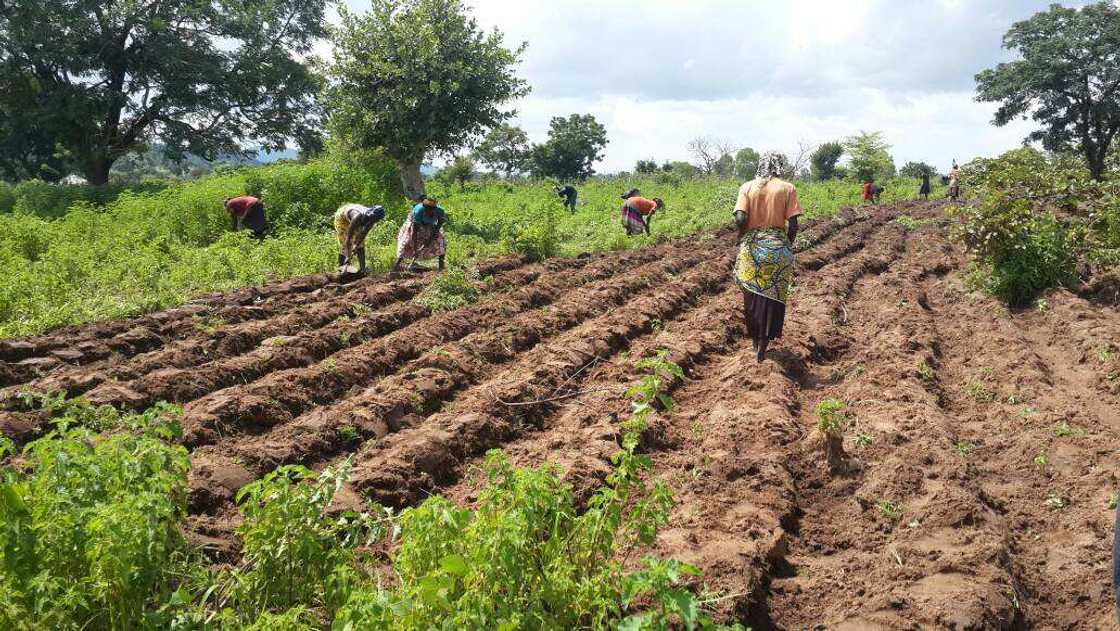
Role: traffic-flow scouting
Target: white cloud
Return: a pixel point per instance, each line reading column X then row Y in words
column 758, row 73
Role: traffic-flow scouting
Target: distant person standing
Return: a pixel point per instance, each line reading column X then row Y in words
column 421, row 235
column 352, row 223
column 867, row 191
column 954, row 182
column 247, row 212
column 637, row 213
column 569, row 194
column 766, row 215
column 923, row 192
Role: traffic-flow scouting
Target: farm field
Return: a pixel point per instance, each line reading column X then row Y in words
column 972, row 489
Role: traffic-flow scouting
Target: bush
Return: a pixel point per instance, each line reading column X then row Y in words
column 89, row 524
column 1027, row 222
column 448, row 291
column 7, row 197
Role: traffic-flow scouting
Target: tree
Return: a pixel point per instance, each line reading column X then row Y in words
column 746, row 163
column 417, row 77
column 574, row 145
column 646, row 166
column 101, row 79
column 504, row 149
column 869, row 156
column 917, row 170
column 707, row 153
column 1067, row 79
column 824, row 161
column 725, row 166
column 801, row 164
column 461, row 170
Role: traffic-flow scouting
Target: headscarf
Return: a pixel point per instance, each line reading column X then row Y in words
column 771, row 165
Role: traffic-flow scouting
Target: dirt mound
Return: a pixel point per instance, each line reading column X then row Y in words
column 971, row 489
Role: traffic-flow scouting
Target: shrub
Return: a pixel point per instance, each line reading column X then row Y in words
column 89, row 525
column 448, row 291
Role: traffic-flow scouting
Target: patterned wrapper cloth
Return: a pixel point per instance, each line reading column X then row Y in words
column 412, row 237
column 632, row 220
column 765, row 270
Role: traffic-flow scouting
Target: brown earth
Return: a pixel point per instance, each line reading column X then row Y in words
column 971, row 492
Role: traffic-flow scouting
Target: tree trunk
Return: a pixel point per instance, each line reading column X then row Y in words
column 1096, row 161
column 97, row 170
column 411, row 178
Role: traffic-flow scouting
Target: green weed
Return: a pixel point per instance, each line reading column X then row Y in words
column 889, row 510
column 964, row 448
column 979, row 391
column 926, row 372
column 1041, row 460
column 348, row 434
column 864, row 440
column 1064, row 430
column 1112, row 499
column 1054, row 501
column 449, row 291
column 910, row 223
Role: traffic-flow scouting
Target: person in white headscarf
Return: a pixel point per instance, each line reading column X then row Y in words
column 766, row 215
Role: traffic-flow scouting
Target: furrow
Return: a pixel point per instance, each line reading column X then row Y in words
column 398, row 470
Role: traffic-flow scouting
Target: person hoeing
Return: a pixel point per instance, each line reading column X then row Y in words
column 421, row 235
column 352, row 223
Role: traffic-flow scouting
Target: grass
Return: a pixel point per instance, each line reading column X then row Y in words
column 138, row 251
column 1064, row 430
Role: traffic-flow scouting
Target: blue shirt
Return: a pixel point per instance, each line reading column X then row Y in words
column 418, row 215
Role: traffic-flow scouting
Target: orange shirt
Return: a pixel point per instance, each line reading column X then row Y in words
column 642, row 205
column 770, row 206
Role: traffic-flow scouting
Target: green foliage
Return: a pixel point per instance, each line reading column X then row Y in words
column 911, row 223
column 889, row 510
column 145, row 251
column 1013, row 228
column 1065, row 78
column 916, row 170
column 746, row 163
column 869, row 156
column 460, row 170
column 203, row 77
column 645, row 167
column 832, row 417
column 504, row 149
column 574, row 145
column 418, row 77
column 824, row 160
column 448, row 291
column 89, row 524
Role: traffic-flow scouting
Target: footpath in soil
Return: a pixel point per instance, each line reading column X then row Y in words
column 972, row 489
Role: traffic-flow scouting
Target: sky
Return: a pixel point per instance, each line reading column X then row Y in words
column 761, row 73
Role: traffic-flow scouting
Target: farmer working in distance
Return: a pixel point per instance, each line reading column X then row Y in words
column 954, row 182
column 923, row 192
column 247, row 212
column 569, row 195
column 766, row 216
column 352, row 223
column 637, row 212
column 421, row 235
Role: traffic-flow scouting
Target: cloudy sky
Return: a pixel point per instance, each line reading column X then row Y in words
column 762, row 73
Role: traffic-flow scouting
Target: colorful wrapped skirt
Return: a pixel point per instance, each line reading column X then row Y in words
column 764, row 270
column 420, row 241
column 632, row 221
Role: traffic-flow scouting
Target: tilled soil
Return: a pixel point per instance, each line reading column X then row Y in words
column 972, row 490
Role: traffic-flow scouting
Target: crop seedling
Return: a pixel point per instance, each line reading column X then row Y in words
column 1112, row 501
column 889, row 510
column 832, row 417
column 1065, row 430
column 348, row 434
column 864, row 441
column 964, row 448
column 1054, row 501
column 1041, row 460
column 449, row 291
column 980, row 392
column 926, row 372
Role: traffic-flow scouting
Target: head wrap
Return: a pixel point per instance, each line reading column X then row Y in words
column 377, row 212
column 428, row 202
column 771, row 165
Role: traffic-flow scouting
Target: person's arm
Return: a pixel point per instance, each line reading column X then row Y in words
column 235, row 222
column 792, row 230
column 647, row 219
column 793, row 211
column 348, row 248
column 741, row 214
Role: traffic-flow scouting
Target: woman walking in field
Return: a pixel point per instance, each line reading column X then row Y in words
column 421, row 235
column 637, row 212
column 766, row 215
column 352, row 223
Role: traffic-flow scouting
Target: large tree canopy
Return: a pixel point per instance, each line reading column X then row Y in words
column 869, row 156
column 200, row 76
column 574, row 145
column 417, row 77
column 505, row 149
column 824, row 160
column 1067, row 79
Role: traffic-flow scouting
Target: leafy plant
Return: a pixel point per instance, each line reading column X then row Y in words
column 832, row 417
column 926, row 372
column 1041, row 460
column 348, row 434
column 980, row 391
column 1064, row 430
column 889, row 510
column 89, row 525
column 864, row 440
column 964, row 448
column 1054, row 501
column 449, row 291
